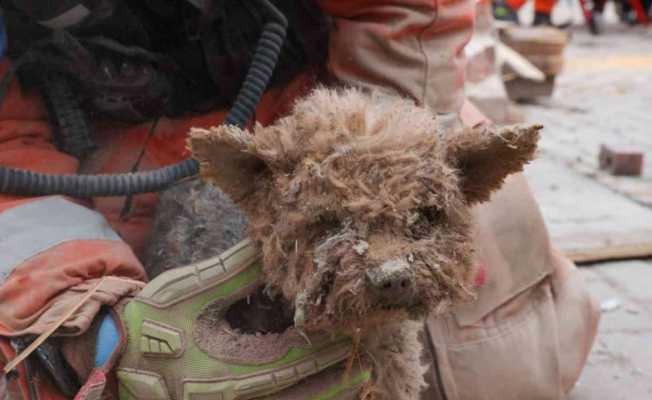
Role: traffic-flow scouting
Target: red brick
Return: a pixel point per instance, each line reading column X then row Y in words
column 621, row 160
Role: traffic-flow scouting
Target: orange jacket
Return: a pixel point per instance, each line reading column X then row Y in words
column 413, row 47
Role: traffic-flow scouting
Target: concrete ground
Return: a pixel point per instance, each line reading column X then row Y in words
column 603, row 96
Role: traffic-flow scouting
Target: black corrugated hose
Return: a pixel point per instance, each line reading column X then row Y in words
column 23, row 182
column 72, row 131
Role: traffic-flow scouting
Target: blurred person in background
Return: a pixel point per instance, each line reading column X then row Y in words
column 507, row 10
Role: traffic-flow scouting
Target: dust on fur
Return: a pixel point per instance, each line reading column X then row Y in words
column 350, row 181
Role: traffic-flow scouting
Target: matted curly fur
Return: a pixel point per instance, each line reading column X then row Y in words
column 349, row 181
column 349, row 184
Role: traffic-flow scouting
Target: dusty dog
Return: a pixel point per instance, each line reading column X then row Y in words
column 361, row 207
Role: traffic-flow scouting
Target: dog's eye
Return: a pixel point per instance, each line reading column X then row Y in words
column 327, row 217
column 432, row 214
column 426, row 219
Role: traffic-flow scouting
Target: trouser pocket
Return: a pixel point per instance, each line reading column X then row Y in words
column 512, row 353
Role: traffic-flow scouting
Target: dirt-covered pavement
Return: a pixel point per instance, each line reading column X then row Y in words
column 603, row 96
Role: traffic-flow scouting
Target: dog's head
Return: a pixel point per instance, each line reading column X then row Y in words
column 360, row 203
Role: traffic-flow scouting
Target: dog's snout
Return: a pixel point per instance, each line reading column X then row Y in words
column 393, row 282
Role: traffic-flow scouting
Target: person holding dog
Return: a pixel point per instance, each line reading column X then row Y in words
column 102, row 87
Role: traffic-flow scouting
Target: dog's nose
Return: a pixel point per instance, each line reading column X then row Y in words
column 393, row 282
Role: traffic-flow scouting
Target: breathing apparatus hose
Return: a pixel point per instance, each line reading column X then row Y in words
column 72, row 131
column 23, row 182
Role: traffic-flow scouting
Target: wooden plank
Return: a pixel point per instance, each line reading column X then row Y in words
column 584, row 248
column 586, row 220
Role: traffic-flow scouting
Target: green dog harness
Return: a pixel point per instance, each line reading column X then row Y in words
column 180, row 345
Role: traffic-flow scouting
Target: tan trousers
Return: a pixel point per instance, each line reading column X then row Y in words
column 529, row 334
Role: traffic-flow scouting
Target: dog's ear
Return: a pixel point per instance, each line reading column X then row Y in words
column 227, row 158
column 485, row 156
